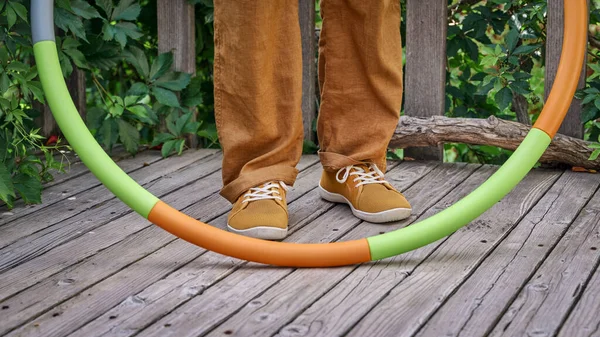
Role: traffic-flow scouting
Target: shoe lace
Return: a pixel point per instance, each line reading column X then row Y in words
column 267, row 191
column 372, row 175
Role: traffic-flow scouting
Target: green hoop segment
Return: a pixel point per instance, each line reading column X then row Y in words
column 305, row 255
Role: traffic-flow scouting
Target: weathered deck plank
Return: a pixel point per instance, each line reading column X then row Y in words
column 584, row 319
column 90, row 199
column 297, row 291
column 545, row 301
column 338, row 311
column 331, row 226
column 453, row 261
column 79, row 179
column 56, row 228
column 130, row 278
column 150, row 242
column 170, row 292
column 473, row 309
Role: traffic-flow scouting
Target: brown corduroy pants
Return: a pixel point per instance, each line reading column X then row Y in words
column 258, row 87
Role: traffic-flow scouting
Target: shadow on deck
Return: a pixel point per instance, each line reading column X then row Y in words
column 82, row 264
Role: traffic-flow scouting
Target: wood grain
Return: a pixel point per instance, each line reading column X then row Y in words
column 327, row 227
column 58, row 227
column 584, row 319
column 474, row 307
column 101, row 267
column 83, row 247
column 176, row 27
column 334, row 313
column 290, row 296
column 81, row 180
column 492, row 131
column 545, row 301
column 169, row 293
column 454, row 260
column 426, row 25
column 306, row 13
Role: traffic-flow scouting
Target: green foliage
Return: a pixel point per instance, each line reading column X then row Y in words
column 496, row 55
column 25, row 160
column 130, row 90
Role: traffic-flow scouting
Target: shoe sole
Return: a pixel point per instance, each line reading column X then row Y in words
column 262, row 232
column 390, row 215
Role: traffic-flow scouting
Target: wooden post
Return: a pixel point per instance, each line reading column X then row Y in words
column 425, row 73
column 309, row 70
column 177, row 33
column 572, row 125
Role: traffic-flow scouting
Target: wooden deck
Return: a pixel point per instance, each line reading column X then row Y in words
column 82, row 264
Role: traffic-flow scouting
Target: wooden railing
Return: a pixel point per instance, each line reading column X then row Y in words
column 425, row 71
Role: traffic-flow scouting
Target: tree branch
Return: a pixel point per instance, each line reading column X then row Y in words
column 419, row 132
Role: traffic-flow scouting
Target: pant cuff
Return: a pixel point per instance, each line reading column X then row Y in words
column 245, row 181
column 334, row 161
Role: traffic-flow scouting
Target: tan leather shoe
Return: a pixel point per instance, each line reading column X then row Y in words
column 261, row 212
column 365, row 190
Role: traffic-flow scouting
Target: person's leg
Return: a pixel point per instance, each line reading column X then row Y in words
column 360, row 77
column 258, row 89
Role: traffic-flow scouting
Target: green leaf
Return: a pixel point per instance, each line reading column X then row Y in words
column 595, row 154
column 141, row 112
column 526, row 49
column 504, row 98
column 168, row 146
column 107, row 7
column 588, row 99
column 162, row 138
column 109, row 132
column 129, row 136
column 597, row 103
column 18, row 66
column 138, row 59
column 175, row 81
column 69, row 47
column 181, row 122
column 126, row 10
column 29, row 188
column 520, row 87
column 138, row 89
column 179, row 146
column 69, row 22
column 94, row 118
column 84, row 9
column 512, row 38
column 589, row 113
column 210, row 133
column 11, row 17
column 166, row 97
column 20, row 10
column 192, row 95
column 161, row 65
column 4, row 82
column 6, row 185
column 472, row 49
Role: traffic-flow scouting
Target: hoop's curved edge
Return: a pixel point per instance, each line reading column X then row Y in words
column 288, row 254
column 82, row 141
column 467, row 209
column 267, row 252
column 571, row 61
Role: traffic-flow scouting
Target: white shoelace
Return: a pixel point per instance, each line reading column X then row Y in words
column 267, row 191
column 372, row 176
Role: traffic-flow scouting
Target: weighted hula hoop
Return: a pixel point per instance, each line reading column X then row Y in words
column 311, row 255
